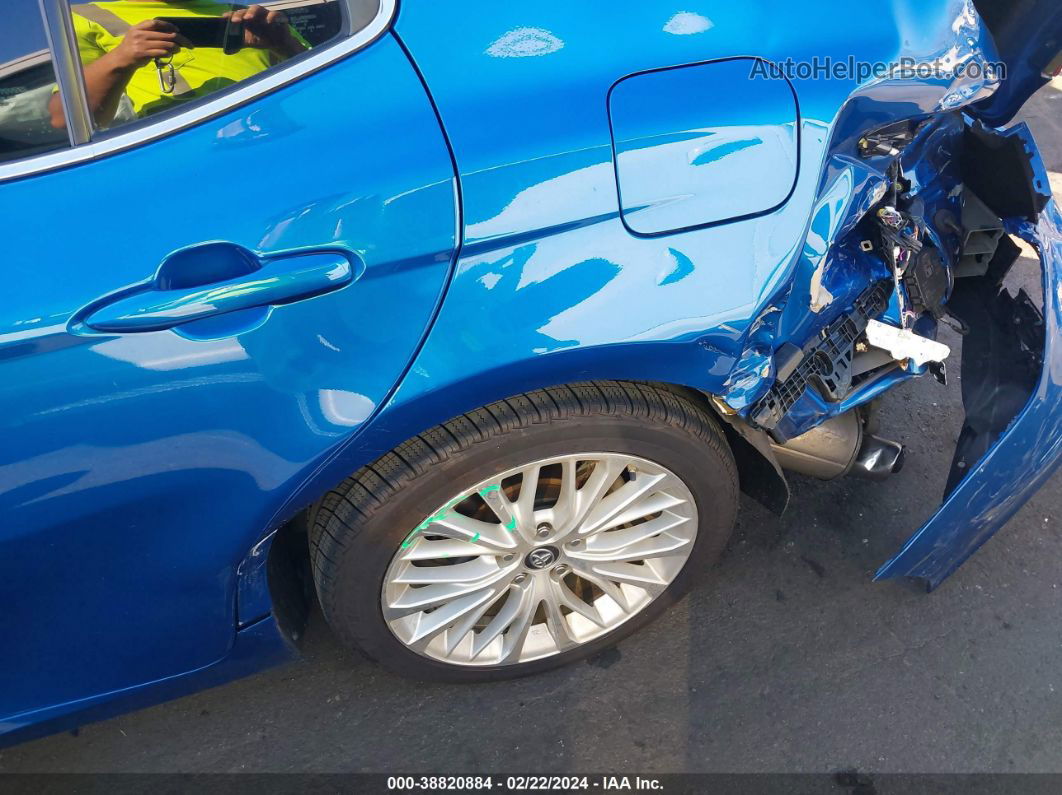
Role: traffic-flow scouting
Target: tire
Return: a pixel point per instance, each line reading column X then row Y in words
column 358, row 528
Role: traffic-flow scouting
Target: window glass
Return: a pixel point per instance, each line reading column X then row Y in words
column 142, row 58
column 27, row 82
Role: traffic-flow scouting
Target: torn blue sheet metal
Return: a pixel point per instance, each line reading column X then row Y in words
column 1022, row 459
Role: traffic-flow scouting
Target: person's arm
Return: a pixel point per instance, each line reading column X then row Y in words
column 107, row 76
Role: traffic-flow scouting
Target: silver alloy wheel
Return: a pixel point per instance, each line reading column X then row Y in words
column 539, row 559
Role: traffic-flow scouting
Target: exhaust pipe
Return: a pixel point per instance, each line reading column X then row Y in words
column 878, row 458
column 839, row 447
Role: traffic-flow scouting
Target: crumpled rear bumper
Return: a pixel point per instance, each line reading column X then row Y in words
column 1019, row 462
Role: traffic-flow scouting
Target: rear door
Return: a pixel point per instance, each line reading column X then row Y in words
column 197, row 309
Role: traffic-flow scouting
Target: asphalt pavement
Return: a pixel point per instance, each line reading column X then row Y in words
column 787, row 657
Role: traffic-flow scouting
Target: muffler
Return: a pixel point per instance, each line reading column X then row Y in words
column 840, row 447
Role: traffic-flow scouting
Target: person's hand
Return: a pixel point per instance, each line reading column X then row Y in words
column 267, row 30
column 146, row 40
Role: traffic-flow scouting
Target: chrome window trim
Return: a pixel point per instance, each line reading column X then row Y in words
column 66, row 65
column 270, row 82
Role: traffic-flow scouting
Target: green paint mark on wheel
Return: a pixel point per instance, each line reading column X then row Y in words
column 430, row 520
column 488, row 489
column 512, row 525
column 475, row 538
column 441, row 515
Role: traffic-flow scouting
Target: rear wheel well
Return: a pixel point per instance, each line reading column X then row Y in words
column 290, row 579
column 759, row 474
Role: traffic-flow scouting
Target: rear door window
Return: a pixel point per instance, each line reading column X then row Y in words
column 143, row 59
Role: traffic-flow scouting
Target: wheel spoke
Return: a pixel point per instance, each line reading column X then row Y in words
column 500, row 504
column 661, row 546
column 627, row 573
column 524, row 507
column 606, row 470
column 610, row 588
column 470, row 571
column 556, row 622
column 432, row 549
column 464, row 528
column 414, row 600
column 614, row 504
column 648, row 504
column 431, row 624
column 516, row 634
column 565, row 506
column 568, row 599
column 614, row 544
column 461, row 628
column 518, row 607
column 465, row 589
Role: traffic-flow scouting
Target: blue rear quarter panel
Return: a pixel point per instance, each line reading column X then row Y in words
column 550, row 287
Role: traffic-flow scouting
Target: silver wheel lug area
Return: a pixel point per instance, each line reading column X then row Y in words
column 519, row 579
column 543, row 531
column 560, row 571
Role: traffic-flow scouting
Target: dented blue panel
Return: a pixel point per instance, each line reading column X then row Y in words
column 704, row 144
column 1019, row 463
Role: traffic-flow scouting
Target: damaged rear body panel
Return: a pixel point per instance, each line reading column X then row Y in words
column 714, row 216
column 916, row 228
column 1011, row 441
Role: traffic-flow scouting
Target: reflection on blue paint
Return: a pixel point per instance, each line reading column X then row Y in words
column 687, row 23
column 525, row 43
column 707, row 155
column 683, row 268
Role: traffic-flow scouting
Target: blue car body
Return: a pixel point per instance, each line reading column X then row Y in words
column 471, row 205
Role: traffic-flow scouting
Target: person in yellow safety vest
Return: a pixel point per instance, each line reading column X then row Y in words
column 125, row 50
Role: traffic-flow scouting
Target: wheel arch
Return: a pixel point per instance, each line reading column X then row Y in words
column 435, row 391
column 289, row 590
